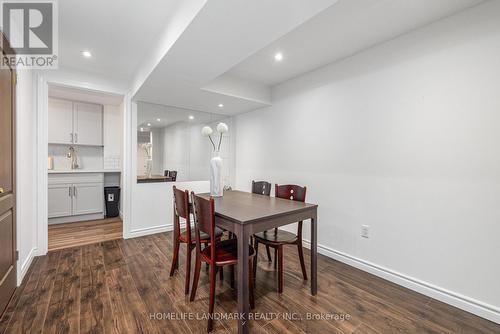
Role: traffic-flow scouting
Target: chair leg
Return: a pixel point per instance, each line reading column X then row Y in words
column 280, row 269
column 175, row 258
column 268, row 251
column 206, row 263
column 211, row 304
column 189, row 250
column 251, row 284
column 221, row 273
column 254, row 269
column 275, row 258
column 232, row 276
column 196, row 277
column 301, row 258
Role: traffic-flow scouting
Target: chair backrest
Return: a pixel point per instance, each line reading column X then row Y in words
column 290, row 191
column 173, row 175
column 166, row 172
column 181, row 207
column 261, row 187
column 294, row 193
column 204, row 220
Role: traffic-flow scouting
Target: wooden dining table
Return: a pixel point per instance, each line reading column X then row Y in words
column 245, row 214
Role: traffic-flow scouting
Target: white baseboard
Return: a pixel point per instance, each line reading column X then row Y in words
column 465, row 303
column 26, row 265
column 149, row 230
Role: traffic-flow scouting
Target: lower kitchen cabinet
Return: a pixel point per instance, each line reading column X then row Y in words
column 88, row 198
column 60, row 200
column 75, row 197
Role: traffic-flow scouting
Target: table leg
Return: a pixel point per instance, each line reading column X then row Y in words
column 243, row 287
column 314, row 255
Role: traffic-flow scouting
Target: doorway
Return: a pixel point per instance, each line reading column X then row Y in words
column 84, row 166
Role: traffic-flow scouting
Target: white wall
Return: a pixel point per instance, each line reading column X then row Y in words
column 405, row 138
column 26, row 174
column 112, row 136
column 152, row 205
column 157, row 138
column 188, row 152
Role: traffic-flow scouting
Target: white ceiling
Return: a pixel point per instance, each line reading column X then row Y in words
column 119, row 34
column 340, row 31
column 148, row 113
column 226, row 53
column 84, row 95
column 223, row 33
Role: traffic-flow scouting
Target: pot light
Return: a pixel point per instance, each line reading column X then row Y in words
column 149, row 124
column 142, row 129
column 158, row 120
column 278, row 56
column 221, row 105
column 86, row 54
column 191, row 117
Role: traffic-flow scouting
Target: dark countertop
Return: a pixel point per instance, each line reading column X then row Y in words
column 153, row 178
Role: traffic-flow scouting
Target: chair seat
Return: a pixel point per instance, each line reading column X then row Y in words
column 203, row 235
column 272, row 238
column 226, row 252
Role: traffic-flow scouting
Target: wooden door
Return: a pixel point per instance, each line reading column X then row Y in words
column 7, row 186
column 88, row 198
column 60, row 122
column 60, row 200
column 88, row 124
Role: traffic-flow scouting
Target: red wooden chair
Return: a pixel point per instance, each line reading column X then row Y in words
column 181, row 207
column 278, row 238
column 218, row 254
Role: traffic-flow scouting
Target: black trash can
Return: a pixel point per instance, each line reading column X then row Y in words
column 112, row 199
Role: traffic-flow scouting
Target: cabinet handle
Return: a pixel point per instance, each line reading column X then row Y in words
column 76, row 138
column 74, row 191
column 70, row 194
column 71, row 135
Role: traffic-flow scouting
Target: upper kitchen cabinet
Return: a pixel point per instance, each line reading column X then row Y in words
column 87, row 123
column 60, row 122
column 75, row 123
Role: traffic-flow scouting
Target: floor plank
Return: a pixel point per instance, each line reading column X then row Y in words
column 123, row 286
column 66, row 235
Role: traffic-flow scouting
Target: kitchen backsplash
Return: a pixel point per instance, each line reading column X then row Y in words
column 89, row 157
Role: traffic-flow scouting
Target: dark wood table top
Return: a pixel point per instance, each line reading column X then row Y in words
column 243, row 207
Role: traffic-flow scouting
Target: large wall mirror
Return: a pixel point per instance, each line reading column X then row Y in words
column 171, row 147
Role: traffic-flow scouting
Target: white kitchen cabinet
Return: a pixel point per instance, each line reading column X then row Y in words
column 75, row 123
column 60, row 121
column 60, row 200
column 75, row 197
column 88, row 198
column 87, row 123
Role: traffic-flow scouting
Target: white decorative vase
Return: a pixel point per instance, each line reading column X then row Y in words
column 216, row 182
column 149, row 167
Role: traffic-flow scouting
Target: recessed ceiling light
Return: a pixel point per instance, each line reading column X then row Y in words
column 158, row 120
column 142, row 129
column 149, row 124
column 191, row 117
column 221, row 105
column 278, row 56
column 86, row 54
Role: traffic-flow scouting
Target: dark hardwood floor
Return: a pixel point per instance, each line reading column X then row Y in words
column 123, row 286
column 66, row 235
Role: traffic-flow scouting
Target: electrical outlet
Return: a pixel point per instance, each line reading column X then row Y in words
column 365, row 231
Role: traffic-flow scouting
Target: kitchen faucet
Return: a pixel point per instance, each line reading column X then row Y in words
column 72, row 155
